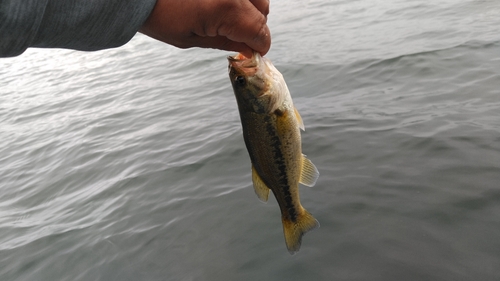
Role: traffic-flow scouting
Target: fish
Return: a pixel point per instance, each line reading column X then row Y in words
column 271, row 131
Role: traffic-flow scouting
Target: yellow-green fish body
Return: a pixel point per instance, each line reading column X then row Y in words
column 271, row 130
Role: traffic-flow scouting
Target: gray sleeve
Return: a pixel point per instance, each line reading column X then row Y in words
column 85, row 25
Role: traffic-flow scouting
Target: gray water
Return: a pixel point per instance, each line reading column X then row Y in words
column 129, row 164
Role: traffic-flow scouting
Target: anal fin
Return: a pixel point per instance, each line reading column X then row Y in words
column 309, row 174
column 259, row 186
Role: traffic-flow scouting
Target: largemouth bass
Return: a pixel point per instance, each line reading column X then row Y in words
column 271, row 130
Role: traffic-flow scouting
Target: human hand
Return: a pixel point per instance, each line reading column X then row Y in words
column 232, row 25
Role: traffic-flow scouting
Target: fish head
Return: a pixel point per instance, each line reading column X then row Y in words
column 258, row 86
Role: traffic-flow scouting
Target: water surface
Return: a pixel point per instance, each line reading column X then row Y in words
column 129, row 164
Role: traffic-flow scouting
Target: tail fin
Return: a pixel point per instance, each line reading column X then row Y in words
column 295, row 230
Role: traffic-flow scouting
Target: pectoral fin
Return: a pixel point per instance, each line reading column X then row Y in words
column 309, row 174
column 299, row 118
column 259, row 186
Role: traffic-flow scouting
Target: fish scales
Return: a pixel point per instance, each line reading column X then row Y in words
column 268, row 155
column 271, row 130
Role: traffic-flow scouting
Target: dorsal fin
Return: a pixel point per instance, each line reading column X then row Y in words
column 299, row 118
column 309, row 174
column 259, row 186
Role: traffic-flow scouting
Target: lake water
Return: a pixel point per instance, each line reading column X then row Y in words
column 129, row 164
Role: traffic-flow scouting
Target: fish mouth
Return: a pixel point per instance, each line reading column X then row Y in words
column 238, row 57
column 241, row 61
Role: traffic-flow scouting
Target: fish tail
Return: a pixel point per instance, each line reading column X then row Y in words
column 294, row 230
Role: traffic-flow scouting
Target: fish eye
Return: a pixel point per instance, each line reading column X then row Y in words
column 240, row 80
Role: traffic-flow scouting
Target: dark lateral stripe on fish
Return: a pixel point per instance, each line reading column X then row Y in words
column 279, row 161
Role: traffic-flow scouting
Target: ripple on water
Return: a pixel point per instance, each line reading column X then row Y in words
column 129, row 164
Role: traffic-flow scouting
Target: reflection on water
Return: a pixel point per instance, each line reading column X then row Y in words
column 129, row 164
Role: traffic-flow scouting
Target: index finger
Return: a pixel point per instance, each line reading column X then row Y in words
column 247, row 24
column 262, row 6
